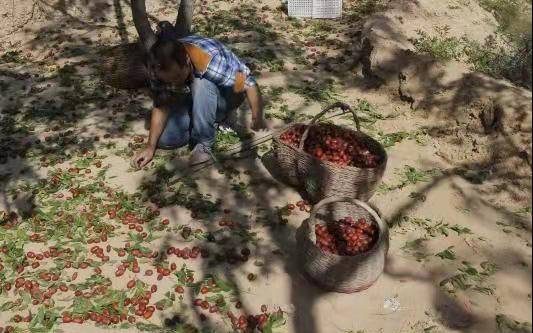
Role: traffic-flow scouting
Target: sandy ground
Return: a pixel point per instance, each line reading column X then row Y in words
column 491, row 196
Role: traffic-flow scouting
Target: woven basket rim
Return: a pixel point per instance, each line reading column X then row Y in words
column 382, row 152
column 282, row 130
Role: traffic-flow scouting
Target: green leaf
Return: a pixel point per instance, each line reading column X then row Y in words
column 147, row 327
column 275, row 320
column 390, row 139
column 506, row 324
column 121, row 302
column 417, row 196
column 223, row 285
column 414, row 245
column 457, row 281
column 488, row 268
column 484, row 290
column 268, row 327
column 38, row 318
column 81, row 305
column 447, row 254
column 471, row 271
column 183, row 274
column 461, row 230
column 165, row 303
column 8, row 306
column 26, row 298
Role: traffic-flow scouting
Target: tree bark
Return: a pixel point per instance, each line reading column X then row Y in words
column 184, row 20
column 142, row 25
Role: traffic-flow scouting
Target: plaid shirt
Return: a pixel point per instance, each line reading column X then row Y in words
column 224, row 63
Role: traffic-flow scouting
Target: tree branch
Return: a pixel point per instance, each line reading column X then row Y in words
column 184, row 20
column 142, row 25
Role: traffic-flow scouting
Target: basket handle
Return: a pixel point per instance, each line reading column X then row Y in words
column 345, row 107
column 312, row 217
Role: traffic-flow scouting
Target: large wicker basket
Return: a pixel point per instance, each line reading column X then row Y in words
column 321, row 179
column 287, row 157
column 123, row 67
column 344, row 274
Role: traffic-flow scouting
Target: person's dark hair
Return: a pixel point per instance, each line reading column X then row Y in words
column 166, row 31
column 167, row 50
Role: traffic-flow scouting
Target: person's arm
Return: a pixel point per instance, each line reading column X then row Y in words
column 157, row 125
column 253, row 94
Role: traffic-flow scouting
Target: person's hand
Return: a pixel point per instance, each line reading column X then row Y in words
column 142, row 158
column 259, row 124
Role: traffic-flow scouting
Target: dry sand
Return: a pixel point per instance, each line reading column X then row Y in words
column 449, row 99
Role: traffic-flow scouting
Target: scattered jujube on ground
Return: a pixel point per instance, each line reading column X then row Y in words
column 105, row 214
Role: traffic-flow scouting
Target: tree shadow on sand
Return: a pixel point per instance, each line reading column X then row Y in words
column 304, row 295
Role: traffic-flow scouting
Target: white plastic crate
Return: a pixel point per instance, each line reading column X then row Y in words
column 315, row 8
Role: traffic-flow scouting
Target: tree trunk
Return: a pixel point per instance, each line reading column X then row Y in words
column 142, row 25
column 184, row 20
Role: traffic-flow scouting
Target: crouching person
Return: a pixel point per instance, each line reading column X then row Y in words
column 219, row 82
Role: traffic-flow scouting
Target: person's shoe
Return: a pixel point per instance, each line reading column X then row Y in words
column 200, row 154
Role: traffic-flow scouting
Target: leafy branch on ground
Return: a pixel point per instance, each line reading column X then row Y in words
column 471, row 277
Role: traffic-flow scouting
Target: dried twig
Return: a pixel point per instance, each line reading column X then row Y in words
column 23, row 24
column 13, row 13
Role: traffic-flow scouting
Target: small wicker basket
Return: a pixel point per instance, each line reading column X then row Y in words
column 344, row 274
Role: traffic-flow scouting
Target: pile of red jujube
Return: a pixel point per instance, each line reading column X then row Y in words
column 346, row 237
column 334, row 144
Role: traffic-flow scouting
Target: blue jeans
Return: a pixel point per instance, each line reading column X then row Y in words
column 192, row 119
